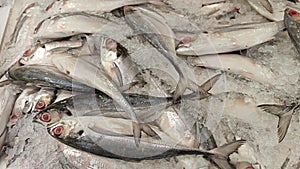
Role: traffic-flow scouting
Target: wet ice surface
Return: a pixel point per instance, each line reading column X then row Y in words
column 232, row 115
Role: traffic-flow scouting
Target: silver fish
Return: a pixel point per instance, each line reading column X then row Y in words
column 285, row 113
column 70, row 24
column 45, row 75
column 155, row 29
column 229, row 39
column 149, row 108
column 72, row 133
column 89, row 74
column 236, row 64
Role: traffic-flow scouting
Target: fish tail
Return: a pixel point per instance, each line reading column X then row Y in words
column 221, row 154
column 284, row 113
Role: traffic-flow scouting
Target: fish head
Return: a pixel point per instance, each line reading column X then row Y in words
column 23, row 101
column 291, row 13
column 60, row 130
column 43, row 99
column 52, row 114
column 66, row 128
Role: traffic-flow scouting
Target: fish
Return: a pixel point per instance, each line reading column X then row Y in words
column 116, row 61
column 66, row 25
column 284, row 113
column 156, row 31
column 89, row 74
column 72, row 133
column 148, row 108
column 7, row 99
column 228, row 39
column 101, row 105
column 266, row 9
column 46, row 75
column 95, row 6
column 291, row 21
column 236, row 64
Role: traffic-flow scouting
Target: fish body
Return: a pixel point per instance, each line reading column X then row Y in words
column 229, row 39
column 46, row 76
column 236, row 64
column 72, row 133
column 148, row 108
column 292, row 23
column 95, row 105
column 67, row 25
column 118, row 147
column 154, row 28
column 285, row 113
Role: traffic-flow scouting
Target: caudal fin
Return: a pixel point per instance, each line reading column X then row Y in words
column 221, row 154
column 285, row 115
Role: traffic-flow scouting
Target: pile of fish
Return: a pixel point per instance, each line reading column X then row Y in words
column 70, row 68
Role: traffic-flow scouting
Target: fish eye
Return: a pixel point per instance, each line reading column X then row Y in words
column 40, row 105
column 57, row 131
column 45, row 117
column 293, row 13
